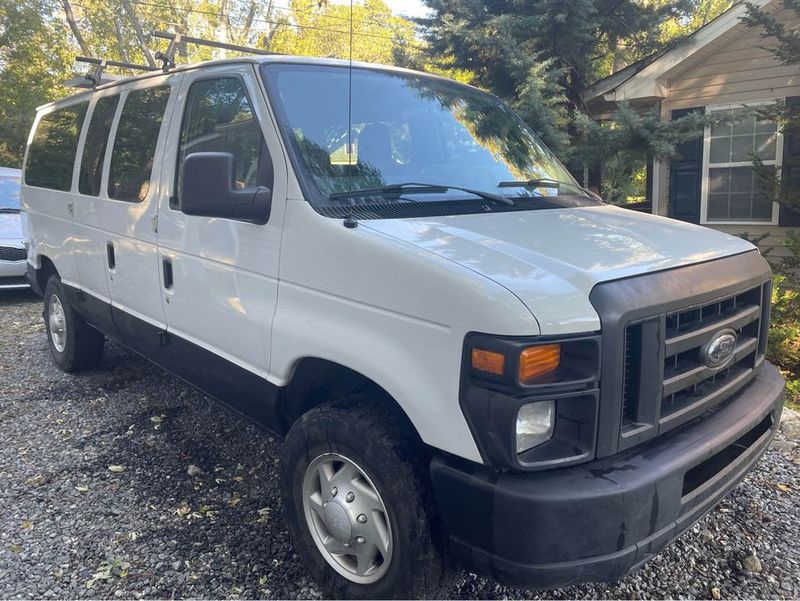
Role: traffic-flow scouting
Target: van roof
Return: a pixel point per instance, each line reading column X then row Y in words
column 255, row 59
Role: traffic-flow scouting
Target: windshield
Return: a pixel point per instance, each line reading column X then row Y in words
column 9, row 192
column 409, row 128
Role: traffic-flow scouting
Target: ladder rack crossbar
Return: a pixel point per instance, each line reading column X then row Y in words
column 166, row 35
column 107, row 63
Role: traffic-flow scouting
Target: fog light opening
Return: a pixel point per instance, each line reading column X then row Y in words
column 535, row 424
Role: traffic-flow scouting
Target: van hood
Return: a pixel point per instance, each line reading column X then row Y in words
column 11, row 227
column 551, row 259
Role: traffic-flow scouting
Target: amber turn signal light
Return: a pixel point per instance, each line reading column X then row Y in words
column 536, row 361
column 488, row 361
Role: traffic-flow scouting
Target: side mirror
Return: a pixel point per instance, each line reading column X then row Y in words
column 207, row 190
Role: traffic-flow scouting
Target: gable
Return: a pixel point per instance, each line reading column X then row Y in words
column 736, row 69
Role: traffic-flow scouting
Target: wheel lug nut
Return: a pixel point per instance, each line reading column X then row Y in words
column 334, row 491
column 349, row 498
column 361, row 518
column 361, row 540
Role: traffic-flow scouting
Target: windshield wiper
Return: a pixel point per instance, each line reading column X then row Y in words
column 541, row 183
column 397, row 190
column 8, row 210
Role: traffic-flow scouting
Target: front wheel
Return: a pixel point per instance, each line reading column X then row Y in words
column 358, row 504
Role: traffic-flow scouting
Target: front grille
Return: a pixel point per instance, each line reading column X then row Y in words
column 666, row 381
column 11, row 253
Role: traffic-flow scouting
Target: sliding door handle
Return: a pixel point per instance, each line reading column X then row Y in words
column 166, row 265
column 112, row 261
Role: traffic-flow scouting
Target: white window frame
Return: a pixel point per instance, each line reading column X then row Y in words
column 777, row 163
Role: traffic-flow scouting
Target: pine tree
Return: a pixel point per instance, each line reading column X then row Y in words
column 785, row 47
column 540, row 55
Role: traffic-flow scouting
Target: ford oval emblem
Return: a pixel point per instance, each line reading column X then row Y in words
column 719, row 350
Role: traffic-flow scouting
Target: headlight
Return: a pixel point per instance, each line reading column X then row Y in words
column 535, row 424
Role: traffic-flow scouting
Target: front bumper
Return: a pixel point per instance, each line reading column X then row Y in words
column 12, row 275
column 599, row 520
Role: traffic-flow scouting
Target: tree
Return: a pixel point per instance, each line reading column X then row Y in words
column 323, row 29
column 540, row 55
column 32, row 69
column 785, row 47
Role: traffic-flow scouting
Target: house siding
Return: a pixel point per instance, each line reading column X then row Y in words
column 737, row 70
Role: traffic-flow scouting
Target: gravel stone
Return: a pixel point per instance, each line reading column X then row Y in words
column 751, row 563
column 790, row 424
column 72, row 529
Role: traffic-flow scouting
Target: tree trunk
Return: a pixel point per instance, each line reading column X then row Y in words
column 248, row 23
column 137, row 26
column 221, row 31
column 74, row 27
column 123, row 53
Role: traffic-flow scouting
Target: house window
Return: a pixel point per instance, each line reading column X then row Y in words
column 731, row 193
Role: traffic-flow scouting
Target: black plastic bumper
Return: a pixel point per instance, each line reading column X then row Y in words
column 599, row 520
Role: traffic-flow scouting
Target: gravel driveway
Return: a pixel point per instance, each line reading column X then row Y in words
column 125, row 482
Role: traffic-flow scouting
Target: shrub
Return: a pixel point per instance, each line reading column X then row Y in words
column 783, row 347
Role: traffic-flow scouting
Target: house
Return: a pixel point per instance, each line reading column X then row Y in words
column 723, row 66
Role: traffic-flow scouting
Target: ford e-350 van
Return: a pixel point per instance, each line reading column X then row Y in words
column 474, row 362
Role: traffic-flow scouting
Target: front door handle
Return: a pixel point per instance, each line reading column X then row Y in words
column 112, row 261
column 166, row 265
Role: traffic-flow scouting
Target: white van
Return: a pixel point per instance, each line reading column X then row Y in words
column 473, row 361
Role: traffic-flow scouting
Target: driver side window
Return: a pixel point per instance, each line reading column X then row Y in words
column 219, row 118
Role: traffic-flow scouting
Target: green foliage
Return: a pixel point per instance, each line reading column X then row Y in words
column 323, row 29
column 786, row 41
column 32, row 68
column 624, row 145
column 785, row 47
column 540, row 55
column 783, row 346
column 40, row 38
column 702, row 12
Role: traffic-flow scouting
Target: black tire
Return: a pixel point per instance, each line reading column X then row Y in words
column 379, row 442
column 82, row 344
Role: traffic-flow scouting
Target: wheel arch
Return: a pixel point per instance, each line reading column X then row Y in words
column 317, row 381
column 45, row 271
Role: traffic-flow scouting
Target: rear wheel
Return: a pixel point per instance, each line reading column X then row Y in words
column 74, row 344
column 359, row 506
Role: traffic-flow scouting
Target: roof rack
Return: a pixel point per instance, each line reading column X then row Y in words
column 95, row 76
column 167, row 57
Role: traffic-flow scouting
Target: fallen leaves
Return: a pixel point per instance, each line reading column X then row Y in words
column 108, row 570
column 264, row 515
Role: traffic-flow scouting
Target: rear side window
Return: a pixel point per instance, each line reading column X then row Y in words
column 51, row 156
column 135, row 143
column 220, row 118
column 94, row 148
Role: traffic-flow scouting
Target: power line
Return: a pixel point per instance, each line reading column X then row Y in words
column 291, row 9
column 259, row 20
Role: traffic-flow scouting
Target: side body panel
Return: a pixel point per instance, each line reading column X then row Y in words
column 47, row 219
column 225, row 272
column 130, row 229
column 389, row 310
column 89, row 240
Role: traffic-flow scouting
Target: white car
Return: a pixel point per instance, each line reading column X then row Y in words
column 13, row 255
column 472, row 360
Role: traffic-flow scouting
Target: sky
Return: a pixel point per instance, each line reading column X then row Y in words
column 408, row 8
column 405, row 8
